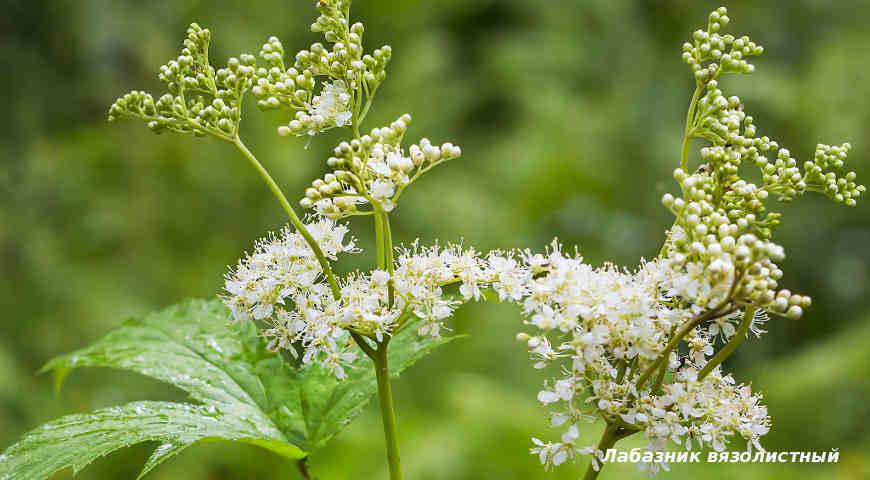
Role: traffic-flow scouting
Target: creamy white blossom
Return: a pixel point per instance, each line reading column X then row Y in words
column 610, row 324
column 642, row 349
column 281, row 284
column 332, row 106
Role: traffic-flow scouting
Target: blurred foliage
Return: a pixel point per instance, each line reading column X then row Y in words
column 547, row 100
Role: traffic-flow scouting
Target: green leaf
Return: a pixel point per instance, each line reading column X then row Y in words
column 243, row 392
column 76, row 440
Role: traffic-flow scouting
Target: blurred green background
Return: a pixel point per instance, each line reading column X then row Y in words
column 569, row 115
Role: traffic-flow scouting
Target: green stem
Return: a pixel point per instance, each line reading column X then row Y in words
column 688, row 134
column 675, row 340
column 388, row 259
column 388, row 244
column 690, row 127
column 732, row 345
column 294, row 219
column 384, row 239
column 660, row 378
column 612, row 434
column 379, row 240
column 303, row 468
column 388, row 413
column 684, row 153
column 369, row 97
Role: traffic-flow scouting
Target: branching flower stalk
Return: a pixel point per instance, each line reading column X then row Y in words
column 643, row 350
column 287, row 285
column 640, row 349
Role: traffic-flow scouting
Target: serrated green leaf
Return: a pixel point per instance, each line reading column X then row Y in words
column 189, row 345
column 259, row 398
column 76, row 440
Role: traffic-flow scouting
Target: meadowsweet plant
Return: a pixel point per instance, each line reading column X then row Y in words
column 642, row 349
column 286, row 299
column 293, row 349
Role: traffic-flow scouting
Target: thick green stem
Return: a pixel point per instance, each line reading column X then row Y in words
column 732, row 345
column 303, row 468
column 388, row 244
column 388, row 259
column 609, row 438
column 660, row 378
column 384, row 249
column 294, row 219
column 384, row 239
column 388, row 413
column 379, row 241
column 620, row 370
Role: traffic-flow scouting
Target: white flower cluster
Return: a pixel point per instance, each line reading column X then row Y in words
column 422, row 274
column 281, row 285
column 643, row 350
column 606, row 326
column 329, row 109
column 374, row 170
column 282, row 267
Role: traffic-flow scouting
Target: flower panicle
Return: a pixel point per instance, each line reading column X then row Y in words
column 371, row 173
column 643, row 348
column 280, row 284
column 327, row 86
column 199, row 98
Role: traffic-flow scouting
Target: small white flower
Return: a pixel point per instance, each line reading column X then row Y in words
column 331, row 108
column 547, row 397
column 382, row 189
column 380, row 277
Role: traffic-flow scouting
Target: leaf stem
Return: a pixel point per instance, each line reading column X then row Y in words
column 291, row 213
column 388, row 413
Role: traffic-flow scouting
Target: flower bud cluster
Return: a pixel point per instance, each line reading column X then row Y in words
column 719, row 259
column 711, row 53
column 346, row 61
column 819, row 175
column 329, row 109
column 373, row 170
column 333, row 19
column 721, row 236
column 278, row 87
column 352, row 76
column 200, row 99
column 724, row 123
